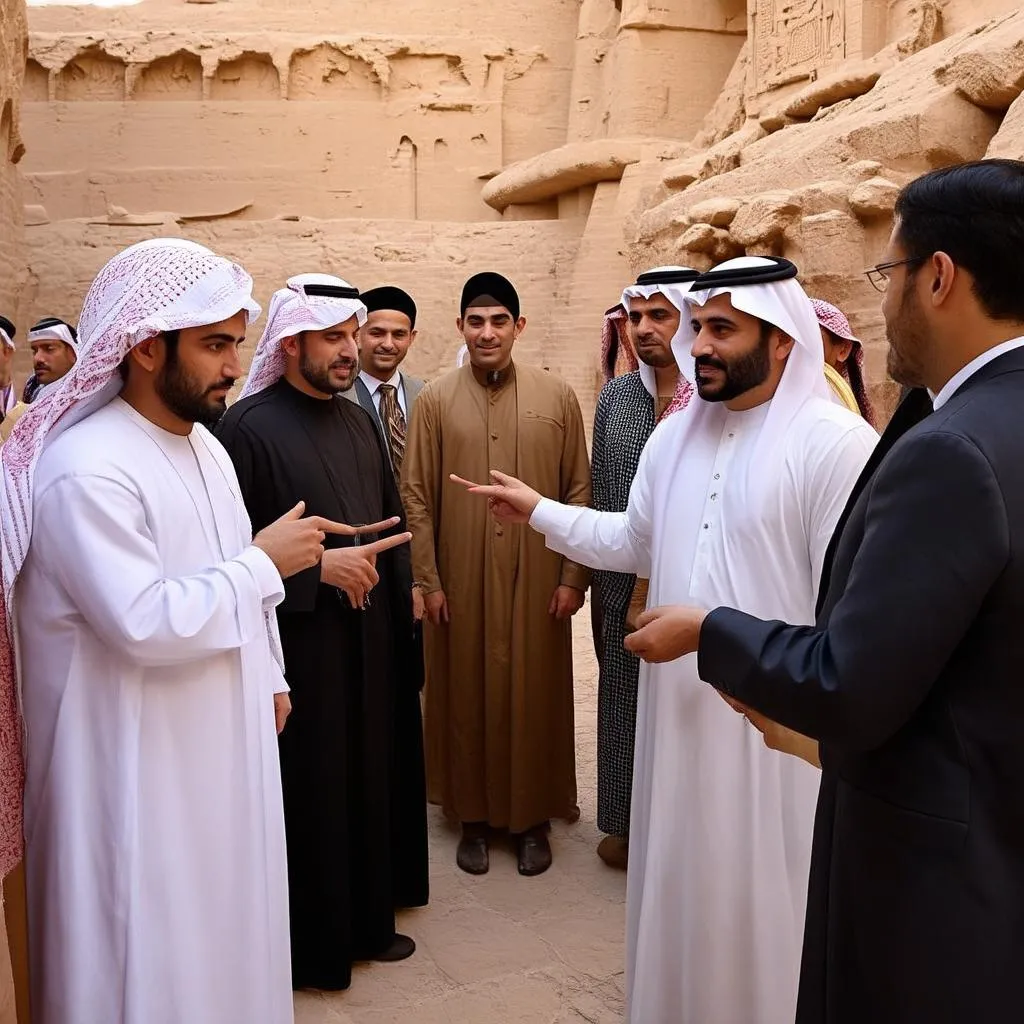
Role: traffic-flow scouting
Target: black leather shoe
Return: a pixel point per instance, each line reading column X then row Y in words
column 400, row 949
column 534, row 852
column 472, row 855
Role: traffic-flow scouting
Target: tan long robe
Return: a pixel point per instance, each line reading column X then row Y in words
column 499, row 698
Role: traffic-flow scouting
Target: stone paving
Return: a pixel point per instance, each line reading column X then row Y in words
column 502, row 949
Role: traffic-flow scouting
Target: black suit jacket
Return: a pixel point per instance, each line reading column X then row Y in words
column 913, row 681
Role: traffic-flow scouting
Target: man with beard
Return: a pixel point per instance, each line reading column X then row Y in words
column 149, row 666
column 734, row 501
column 499, row 701
column 911, row 676
column 628, row 409
column 352, row 756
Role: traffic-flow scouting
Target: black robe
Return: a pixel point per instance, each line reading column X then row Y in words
column 352, row 751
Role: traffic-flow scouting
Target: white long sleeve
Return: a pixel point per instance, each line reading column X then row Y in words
column 117, row 581
column 614, row 541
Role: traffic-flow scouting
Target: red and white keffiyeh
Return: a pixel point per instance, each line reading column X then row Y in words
column 293, row 311
column 165, row 284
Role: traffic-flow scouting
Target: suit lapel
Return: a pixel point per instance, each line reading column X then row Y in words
column 412, row 387
column 916, row 405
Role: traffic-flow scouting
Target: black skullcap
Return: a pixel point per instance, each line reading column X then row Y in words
column 54, row 321
column 677, row 275
column 7, row 327
column 389, row 297
column 489, row 289
column 778, row 270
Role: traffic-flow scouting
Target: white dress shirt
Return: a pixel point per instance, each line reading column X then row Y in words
column 373, row 386
column 957, row 381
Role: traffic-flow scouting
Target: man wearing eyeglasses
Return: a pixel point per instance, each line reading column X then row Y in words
column 912, row 677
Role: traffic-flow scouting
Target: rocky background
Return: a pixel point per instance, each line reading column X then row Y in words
column 567, row 143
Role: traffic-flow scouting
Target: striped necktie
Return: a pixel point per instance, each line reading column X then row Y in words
column 394, row 424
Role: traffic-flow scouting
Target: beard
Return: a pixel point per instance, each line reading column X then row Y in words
column 187, row 398
column 656, row 358
column 906, row 333
column 318, row 375
column 740, row 375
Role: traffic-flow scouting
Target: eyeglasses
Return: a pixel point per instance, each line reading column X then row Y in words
column 880, row 279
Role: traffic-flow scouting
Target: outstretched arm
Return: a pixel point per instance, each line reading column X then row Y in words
column 616, row 541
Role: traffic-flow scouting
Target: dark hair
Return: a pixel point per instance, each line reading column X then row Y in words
column 171, row 339
column 975, row 214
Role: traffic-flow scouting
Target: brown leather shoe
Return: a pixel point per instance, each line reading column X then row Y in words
column 534, row 851
column 472, row 855
column 614, row 851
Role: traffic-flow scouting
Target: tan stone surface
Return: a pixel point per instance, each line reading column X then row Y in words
column 431, row 261
column 847, row 83
column 12, row 44
column 561, row 170
column 545, row 950
column 613, row 134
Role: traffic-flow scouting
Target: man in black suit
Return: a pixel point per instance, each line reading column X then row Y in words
column 912, row 679
column 386, row 393
column 381, row 388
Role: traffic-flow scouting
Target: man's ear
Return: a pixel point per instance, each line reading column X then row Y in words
column 149, row 354
column 520, row 325
column 944, row 274
column 783, row 345
column 290, row 345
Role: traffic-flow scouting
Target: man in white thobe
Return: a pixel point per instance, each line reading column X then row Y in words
column 734, row 502
column 149, row 666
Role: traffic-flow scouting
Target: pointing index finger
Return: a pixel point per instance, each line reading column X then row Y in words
column 487, row 490
column 329, row 526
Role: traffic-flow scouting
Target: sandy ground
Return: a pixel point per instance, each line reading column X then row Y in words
column 501, row 948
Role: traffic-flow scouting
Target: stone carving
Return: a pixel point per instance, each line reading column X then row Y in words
column 661, row 135
column 793, row 38
column 176, row 77
column 92, row 75
column 252, row 76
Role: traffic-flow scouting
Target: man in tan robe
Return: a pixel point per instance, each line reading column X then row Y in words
column 499, row 699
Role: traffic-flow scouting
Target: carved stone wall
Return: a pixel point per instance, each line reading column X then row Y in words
column 568, row 142
column 12, row 59
column 843, row 103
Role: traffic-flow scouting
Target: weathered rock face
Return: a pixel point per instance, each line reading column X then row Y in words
column 411, row 142
column 813, row 170
column 569, row 143
column 13, row 40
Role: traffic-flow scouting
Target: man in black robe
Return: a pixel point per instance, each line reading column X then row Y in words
column 352, row 755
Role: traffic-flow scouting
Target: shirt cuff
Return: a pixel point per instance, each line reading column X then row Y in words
column 549, row 515
column 264, row 572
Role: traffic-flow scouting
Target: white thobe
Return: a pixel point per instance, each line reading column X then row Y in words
column 155, row 846
column 720, row 832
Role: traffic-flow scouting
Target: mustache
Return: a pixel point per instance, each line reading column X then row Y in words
column 227, row 382
column 710, row 363
column 344, row 364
